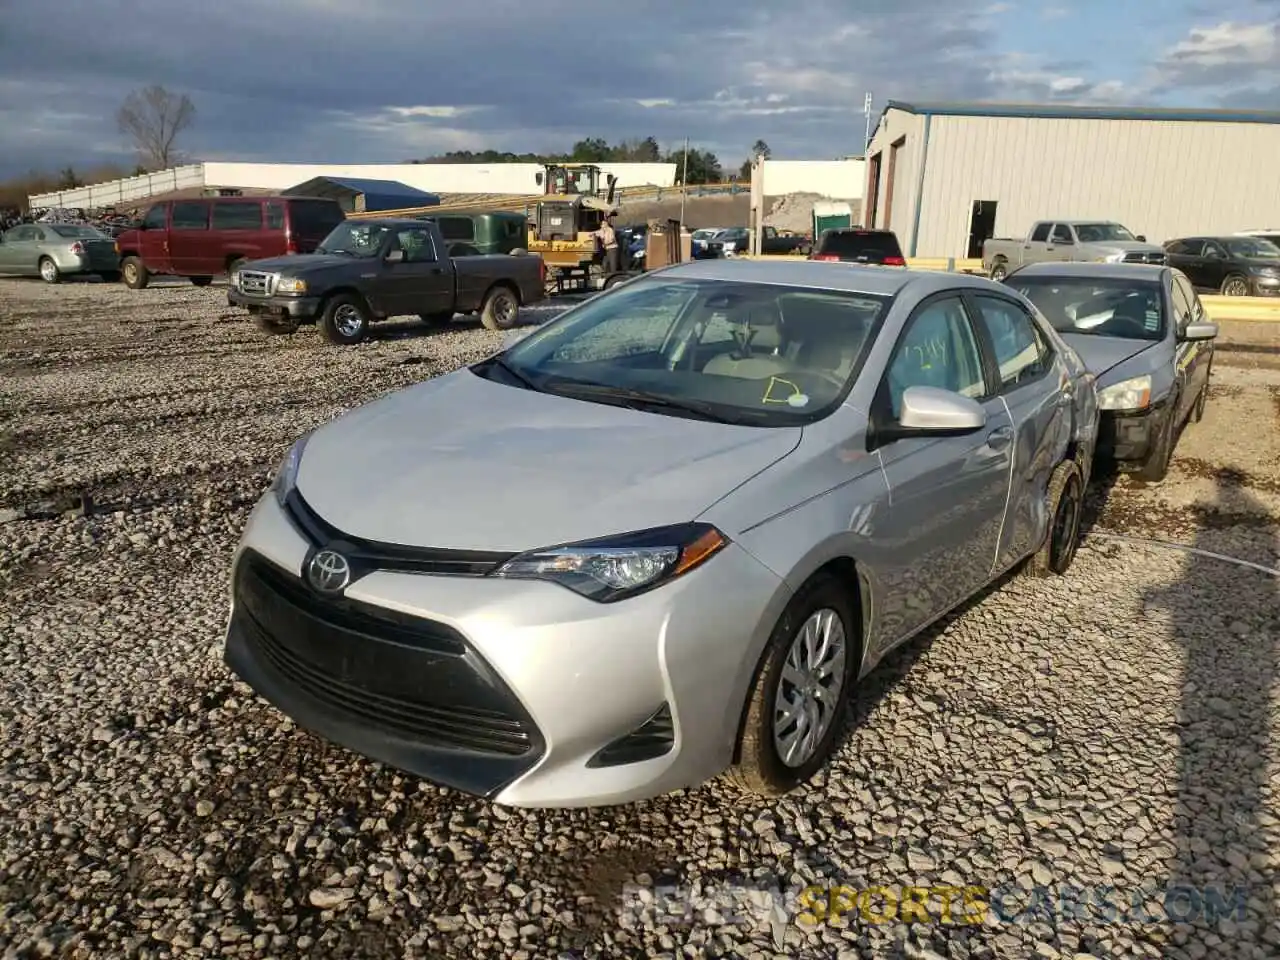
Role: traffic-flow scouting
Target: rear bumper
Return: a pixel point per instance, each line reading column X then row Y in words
column 298, row 307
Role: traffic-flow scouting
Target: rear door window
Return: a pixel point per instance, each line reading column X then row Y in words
column 237, row 215
column 1021, row 350
column 190, row 216
column 851, row 244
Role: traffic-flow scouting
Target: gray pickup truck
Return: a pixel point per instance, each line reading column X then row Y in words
column 1097, row 241
column 367, row 270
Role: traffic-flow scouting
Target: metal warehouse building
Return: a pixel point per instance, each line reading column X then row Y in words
column 946, row 176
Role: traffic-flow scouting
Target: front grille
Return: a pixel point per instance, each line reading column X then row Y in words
column 365, row 556
column 257, row 283
column 385, row 671
column 1158, row 258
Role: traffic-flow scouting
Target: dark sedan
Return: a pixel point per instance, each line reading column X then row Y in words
column 1232, row 266
column 1142, row 331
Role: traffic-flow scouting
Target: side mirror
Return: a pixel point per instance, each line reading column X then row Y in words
column 1141, row 238
column 932, row 412
column 1200, row 331
column 395, row 256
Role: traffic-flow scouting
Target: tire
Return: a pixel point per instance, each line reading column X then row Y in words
column 135, row 273
column 999, row 270
column 615, row 280
column 1235, row 286
column 441, row 319
column 501, row 309
column 49, row 271
column 760, row 768
column 345, row 320
column 201, row 281
column 110, row 276
column 1156, row 466
column 235, row 264
column 1066, row 506
column 275, row 326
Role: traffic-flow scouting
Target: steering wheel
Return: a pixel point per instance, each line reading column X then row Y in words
column 1120, row 324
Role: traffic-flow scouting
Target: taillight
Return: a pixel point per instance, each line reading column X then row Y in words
column 894, row 262
column 824, row 256
column 77, row 248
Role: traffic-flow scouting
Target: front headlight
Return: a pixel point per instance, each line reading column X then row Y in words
column 1112, row 257
column 1265, row 271
column 287, row 476
column 291, row 285
column 234, row 279
column 613, row 568
column 1133, row 394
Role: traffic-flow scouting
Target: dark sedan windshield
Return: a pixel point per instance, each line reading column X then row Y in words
column 1133, row 309
column 735, row 352
column 1253, row 249
column 355, row 239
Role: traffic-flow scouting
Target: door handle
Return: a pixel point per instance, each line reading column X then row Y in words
column 1000, row 438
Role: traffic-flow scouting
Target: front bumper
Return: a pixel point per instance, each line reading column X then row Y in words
column 1266, row 286
column 1128, row 436
column 300, row 308
column 501, row 688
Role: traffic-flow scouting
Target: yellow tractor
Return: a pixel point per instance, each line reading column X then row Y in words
column 571, row 209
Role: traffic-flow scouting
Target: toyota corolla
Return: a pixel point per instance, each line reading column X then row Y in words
column 665, row 535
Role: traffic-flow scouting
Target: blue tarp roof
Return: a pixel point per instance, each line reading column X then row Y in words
column 377, row 194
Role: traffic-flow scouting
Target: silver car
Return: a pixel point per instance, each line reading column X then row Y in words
column 1144, row 334
column 55, row 250
column 665, row 534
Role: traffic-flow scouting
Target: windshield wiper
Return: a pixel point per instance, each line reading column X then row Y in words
column 525, row 381
column 640, row 400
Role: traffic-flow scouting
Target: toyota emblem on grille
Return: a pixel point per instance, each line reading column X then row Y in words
column 329, row 572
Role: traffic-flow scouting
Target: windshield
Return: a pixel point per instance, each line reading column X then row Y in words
column 1253, row 249
column 355, row 239
column 1132, row 309
column 1102, row 232
column 78, row 232
column 735, row 352
column 704, row 234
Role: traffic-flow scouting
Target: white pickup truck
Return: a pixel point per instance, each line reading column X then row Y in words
column 1101, row 241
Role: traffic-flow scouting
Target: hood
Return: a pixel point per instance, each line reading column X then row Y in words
column 1101, row 354
column 460, row 462
column 300, row 263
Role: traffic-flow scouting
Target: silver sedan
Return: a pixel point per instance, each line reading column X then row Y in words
column 665, row 535
column 55, row 250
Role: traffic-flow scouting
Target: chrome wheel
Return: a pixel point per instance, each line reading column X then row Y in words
column 131, row 273
column 48, row 270
column 999, row 272
column 347, row 320
column 504, row 309
column 1235, row 287
column 809, row 689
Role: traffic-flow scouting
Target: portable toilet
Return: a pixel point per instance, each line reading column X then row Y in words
column 829, row 215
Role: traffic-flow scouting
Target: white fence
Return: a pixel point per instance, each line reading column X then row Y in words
column 118, row 192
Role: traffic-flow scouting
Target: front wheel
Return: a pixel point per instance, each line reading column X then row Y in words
column 345, row 320
column 110, row 276
column 201, row 281
column 794, row 709
column 1235, row 286
column 1156, row 466
column 135, row 273
column 1202, row 401
column 501, row 309
column 1066, row 506
column 999, row 270
column 49, row 271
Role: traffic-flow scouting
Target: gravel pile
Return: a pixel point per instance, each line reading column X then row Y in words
column 1113, row 728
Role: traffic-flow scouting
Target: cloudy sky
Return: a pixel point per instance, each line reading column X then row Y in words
column 388, row 80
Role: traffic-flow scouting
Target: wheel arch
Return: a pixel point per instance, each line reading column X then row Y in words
column 504, row 284
column 328, row 295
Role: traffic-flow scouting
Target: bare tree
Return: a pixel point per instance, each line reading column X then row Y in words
column 152, row 118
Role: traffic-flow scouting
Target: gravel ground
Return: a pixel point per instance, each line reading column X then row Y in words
column 1115, row 727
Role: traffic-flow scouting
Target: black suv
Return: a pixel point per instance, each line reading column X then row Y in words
column 859, row 245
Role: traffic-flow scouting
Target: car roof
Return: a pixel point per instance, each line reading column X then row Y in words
column 1082, row 269
column 819, row 275
column 394, row 221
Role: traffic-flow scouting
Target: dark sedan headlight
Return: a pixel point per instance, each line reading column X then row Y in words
column 286, row 477
column 614, row 568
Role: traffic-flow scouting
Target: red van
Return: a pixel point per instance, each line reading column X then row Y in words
column 206, row 237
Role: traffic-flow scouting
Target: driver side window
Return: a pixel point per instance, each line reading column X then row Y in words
column 156, row 218
column 417, row 245
column 939, row 349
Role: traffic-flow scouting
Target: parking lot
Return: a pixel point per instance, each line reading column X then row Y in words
column 1113, row 728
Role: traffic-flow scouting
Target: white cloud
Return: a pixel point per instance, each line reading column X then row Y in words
column 1227, row 44
column 432, row 112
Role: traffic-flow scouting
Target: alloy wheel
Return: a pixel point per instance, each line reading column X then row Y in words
column 347, row 320
column 809, row 688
